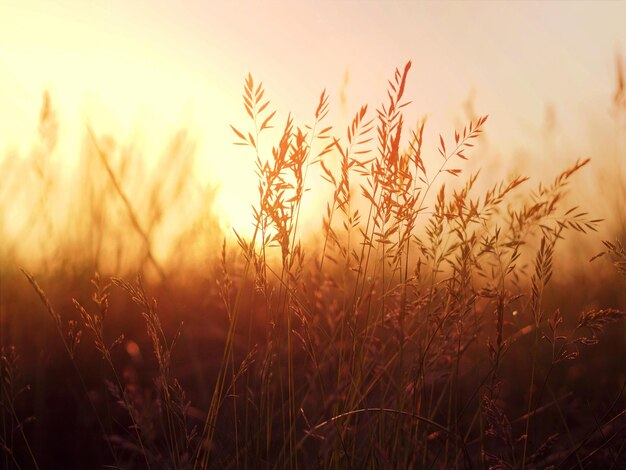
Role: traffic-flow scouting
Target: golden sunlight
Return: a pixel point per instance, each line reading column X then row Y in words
column 141, row 71
column 292, row 235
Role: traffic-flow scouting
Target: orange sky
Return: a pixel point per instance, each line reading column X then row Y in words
column 145, row 67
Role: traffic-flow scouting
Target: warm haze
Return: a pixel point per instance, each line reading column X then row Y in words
column 139, row 70
column 330, row 235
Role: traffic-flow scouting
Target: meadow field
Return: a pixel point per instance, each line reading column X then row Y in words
column 391, row 303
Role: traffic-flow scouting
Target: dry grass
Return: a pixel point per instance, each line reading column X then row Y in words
column 422, row 327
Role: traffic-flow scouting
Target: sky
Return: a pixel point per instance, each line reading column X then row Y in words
column 142, row 69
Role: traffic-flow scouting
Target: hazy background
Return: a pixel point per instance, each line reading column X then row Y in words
column 140, row 71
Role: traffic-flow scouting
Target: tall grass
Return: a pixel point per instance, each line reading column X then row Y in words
column 417, row 329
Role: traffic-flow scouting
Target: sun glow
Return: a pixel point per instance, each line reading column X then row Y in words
column 119, row 83
column 140, row 71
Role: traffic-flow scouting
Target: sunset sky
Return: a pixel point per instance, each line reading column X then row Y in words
column 141, row 69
